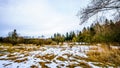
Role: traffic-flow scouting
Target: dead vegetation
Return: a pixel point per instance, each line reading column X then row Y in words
column 79, row 58
column 100, row 56
column 107, row 57
column 68, row 55
column 43, row 64
column 1, row 54
column 33, row 66
column 49, row 57
column 39, row 56
column 10, row 55
column 9, row 58
column 61, row 58
column 20, row 60
column 80, row 64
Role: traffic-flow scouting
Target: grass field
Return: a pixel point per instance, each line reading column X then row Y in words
column 32, row 56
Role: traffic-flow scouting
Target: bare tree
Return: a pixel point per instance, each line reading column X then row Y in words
column 97, row 6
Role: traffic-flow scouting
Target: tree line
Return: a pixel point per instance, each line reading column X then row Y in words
column 15, row 39
column 107, row 32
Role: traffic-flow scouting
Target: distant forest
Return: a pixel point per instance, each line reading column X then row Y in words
column 107, row 32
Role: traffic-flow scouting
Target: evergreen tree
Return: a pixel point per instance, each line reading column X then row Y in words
column 13, row 37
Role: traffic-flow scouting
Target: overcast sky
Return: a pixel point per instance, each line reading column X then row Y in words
column 40, row 17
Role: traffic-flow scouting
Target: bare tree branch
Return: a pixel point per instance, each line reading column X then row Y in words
column 97, row 6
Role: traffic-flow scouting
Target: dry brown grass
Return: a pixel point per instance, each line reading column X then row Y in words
column 79, row 58
column 43, row 64
column 81, row 64
column 26, row 54
column 38, row 56
column 84, row 65
column 10, row 55
column 61, row 58
column 69, row 55
column 94, row 48
column 9, row 58
column 33, row 66
column 20, row 60
column 18, row 48
column 49, row 56
column 1, row 54
column 110, row 57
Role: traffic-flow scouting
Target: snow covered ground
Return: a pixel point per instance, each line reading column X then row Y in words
column 46, row 57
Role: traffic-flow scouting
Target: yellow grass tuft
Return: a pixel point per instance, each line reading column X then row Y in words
column 105, row 57
column 61, row 58
column 49, row 56
column 21, row 60
column 81, row 64
column 33, row 66
column 43, row 64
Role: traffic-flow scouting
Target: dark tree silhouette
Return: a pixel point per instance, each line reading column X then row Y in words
column 97, row 6
column 13, row 37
